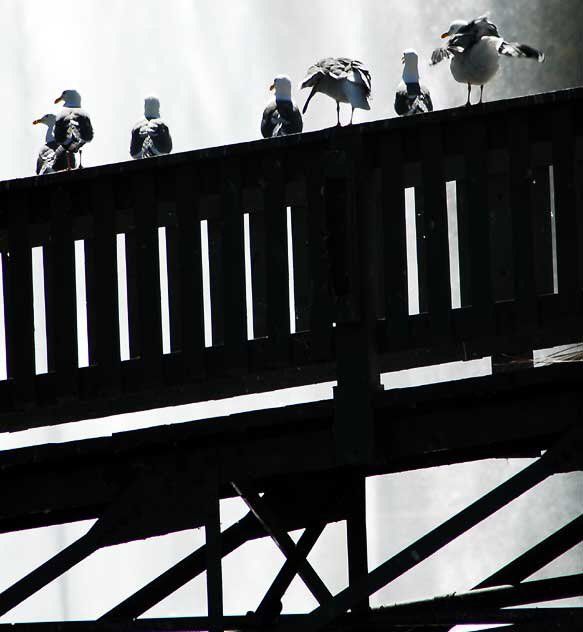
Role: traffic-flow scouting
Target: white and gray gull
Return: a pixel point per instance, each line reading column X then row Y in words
column 344, row 80
column 48, row 161
column 412, row 97
column 474, row 48
column 72, row 128
column 281, row 115
column 150, row 135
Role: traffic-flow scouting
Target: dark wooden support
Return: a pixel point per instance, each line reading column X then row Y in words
column 235, row 314
column 358, row 371
column 301, row 262
column 270, row 605
column 394, row 244
column 439, row 537
column 102, row 289
column 356, row 537
column 60, row 285
column 148, row 278
column 18, row 302
column 214, row 575
column 568, row 224
column 436, row 235
column 286, row 545
column 190, row 293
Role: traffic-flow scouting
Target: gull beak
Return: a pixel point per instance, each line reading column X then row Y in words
column 61, row 98
column 403, row 59
column 444, row 35
column 36, row 122
column 272, row 87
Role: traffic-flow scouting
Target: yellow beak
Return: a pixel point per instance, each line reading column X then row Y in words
column 444, row 35
column 59, row 99
column 272, row 87
column 36, row 122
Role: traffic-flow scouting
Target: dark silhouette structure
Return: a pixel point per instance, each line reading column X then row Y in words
column 517, row 166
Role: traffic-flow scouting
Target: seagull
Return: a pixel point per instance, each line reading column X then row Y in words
column 344, row 80
column 412, row 97
column 72, row 128
column 48, row 161
column 281, row 116
column 475, row 48
column 150, row 136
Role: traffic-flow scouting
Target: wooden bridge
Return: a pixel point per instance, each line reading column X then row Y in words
column 339, row 208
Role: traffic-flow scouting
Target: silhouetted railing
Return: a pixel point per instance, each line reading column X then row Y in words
column 459, row 231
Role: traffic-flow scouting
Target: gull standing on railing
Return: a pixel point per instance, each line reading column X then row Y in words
column 344, row 80
column 412, row 97
column 474, row 48
column 72, row 128
column 150, row 136
column 47, row 160
column 281, row 116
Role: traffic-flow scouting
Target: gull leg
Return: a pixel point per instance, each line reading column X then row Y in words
column 338, row 113
column 481, row 92
column 469, row 93
column 68, row 161
column 80, row 156
column 351, row 115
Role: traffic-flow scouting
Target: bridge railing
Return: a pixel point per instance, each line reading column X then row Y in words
column 459, row 231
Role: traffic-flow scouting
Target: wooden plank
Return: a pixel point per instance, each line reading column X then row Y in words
column 188, row 297
column 436, row 235
column 395, row 243
column 258, row 252
column 235, row 306
column 501, row 236
column 277, row 270
column 19, row 315
column 520, row 181
column 148, row 276
column 540, row 200
column 301, row 263
column 215, row 229
column 102, row 288
column 321, row 312
column 568, row 223
column 476, row 183
column 213, row 550
column 60, row 286
column 356, row 537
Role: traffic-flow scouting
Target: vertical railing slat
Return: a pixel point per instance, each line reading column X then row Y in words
column 19, row 312
column 235, row 305
column 277, row 270
column 436, row 234
column 148, row 276
column 60, row 285
column 482, row 320
column 568, row 224
column 522, row 224
column 395, row 243
column 102, row 288
column 190, row 293
column 301, row 263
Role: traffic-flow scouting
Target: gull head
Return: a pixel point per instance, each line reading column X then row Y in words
column 46, row 119
column 454, row 28
column 152, row 107
column 70, row 99
column 282, row 86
